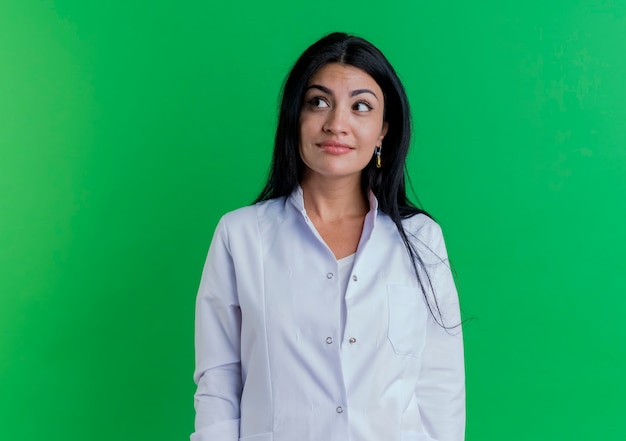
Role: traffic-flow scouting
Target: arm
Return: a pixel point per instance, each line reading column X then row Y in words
column 217, row 344
column 441, row 386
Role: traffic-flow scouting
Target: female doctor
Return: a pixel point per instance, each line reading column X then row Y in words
column 327, row 310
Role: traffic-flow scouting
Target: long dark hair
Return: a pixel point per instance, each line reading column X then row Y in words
column 388, row 183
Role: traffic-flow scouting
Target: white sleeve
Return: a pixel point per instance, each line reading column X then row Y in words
column 217, row 346
column 441, row 386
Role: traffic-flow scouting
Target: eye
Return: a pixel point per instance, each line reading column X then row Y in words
column 318, row 102
column 362, row 106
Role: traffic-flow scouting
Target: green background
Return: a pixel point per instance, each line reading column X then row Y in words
column 127, row 128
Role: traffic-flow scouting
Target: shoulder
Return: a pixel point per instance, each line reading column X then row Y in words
column 241, row 230
column 426, row 236
column 248, row 217
column 241, row 215
column 421, row 225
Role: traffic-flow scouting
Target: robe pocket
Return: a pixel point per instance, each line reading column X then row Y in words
column 268, row 436
column 407, row 319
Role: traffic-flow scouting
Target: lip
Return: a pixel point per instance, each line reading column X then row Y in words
column 334, row 147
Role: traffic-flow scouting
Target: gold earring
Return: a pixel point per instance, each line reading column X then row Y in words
column 379, row 162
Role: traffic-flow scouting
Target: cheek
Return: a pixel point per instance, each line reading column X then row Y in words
column 304, row 130
column 373, row 133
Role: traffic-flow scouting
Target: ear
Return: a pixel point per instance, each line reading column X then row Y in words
column 383, row 132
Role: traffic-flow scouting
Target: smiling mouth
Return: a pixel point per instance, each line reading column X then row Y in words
column 335, row 148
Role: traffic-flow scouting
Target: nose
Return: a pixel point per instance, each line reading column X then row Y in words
column 337, row 122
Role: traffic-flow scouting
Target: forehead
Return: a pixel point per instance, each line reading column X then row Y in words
column 342, row 75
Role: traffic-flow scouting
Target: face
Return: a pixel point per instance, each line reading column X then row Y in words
column 341, row 122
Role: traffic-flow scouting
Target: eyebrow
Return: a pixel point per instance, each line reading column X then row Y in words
column 330, row 92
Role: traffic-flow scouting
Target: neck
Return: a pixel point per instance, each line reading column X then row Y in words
column 334, row 200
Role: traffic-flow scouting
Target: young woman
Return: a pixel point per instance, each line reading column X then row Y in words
column 327, row 310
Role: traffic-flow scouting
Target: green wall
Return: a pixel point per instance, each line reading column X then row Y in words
column 127, row 128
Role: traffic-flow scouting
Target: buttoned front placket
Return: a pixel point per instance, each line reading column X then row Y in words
column 361, row 332
column 332, row 337
column 342, row 341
